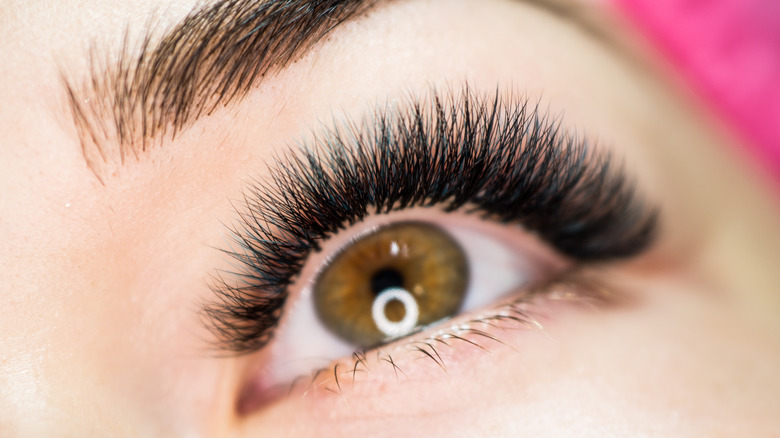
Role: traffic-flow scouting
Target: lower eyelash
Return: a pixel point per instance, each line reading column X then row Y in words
column 481, row 332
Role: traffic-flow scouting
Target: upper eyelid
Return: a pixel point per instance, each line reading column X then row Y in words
column 578, row 202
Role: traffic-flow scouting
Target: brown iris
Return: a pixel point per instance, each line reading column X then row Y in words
column 391, row 281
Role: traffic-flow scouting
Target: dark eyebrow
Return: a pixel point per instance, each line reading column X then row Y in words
column 213, row 57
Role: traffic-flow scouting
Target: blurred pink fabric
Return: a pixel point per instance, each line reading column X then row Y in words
column 729, row 52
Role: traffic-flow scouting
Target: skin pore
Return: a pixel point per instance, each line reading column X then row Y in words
column 99, row 326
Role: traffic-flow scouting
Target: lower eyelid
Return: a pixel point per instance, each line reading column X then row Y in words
column 443, row 350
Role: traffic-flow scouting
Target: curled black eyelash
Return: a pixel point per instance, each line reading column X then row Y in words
column 498, row 158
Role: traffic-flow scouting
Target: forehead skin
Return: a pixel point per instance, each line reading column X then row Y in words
column 101, row 282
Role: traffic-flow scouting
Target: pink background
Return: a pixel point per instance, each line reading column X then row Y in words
column 729, row 52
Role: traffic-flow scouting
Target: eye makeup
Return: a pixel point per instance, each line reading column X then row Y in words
column 498, row 158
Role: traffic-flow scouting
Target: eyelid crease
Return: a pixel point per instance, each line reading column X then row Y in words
column 497, row 157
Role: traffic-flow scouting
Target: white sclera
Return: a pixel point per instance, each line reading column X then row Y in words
column 400, row 328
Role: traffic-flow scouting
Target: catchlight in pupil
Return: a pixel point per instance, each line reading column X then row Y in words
column 390, row 282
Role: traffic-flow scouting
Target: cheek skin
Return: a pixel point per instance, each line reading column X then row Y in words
column 674, row 362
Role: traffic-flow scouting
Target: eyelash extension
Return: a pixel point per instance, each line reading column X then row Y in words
column 497, row 158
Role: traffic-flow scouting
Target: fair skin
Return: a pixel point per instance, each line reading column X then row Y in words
column 101, row 334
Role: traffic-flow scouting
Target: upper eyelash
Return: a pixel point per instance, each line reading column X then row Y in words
column 500, row 158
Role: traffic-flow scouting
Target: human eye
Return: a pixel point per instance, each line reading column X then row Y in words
column 447, row 219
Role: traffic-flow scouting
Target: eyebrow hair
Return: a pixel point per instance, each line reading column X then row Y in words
column 213, row 57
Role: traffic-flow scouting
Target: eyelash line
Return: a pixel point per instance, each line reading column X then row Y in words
column 344, row 372
column 499, row 158
column 578, row 286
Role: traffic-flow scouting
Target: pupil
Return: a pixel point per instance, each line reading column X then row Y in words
column 385, row 279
